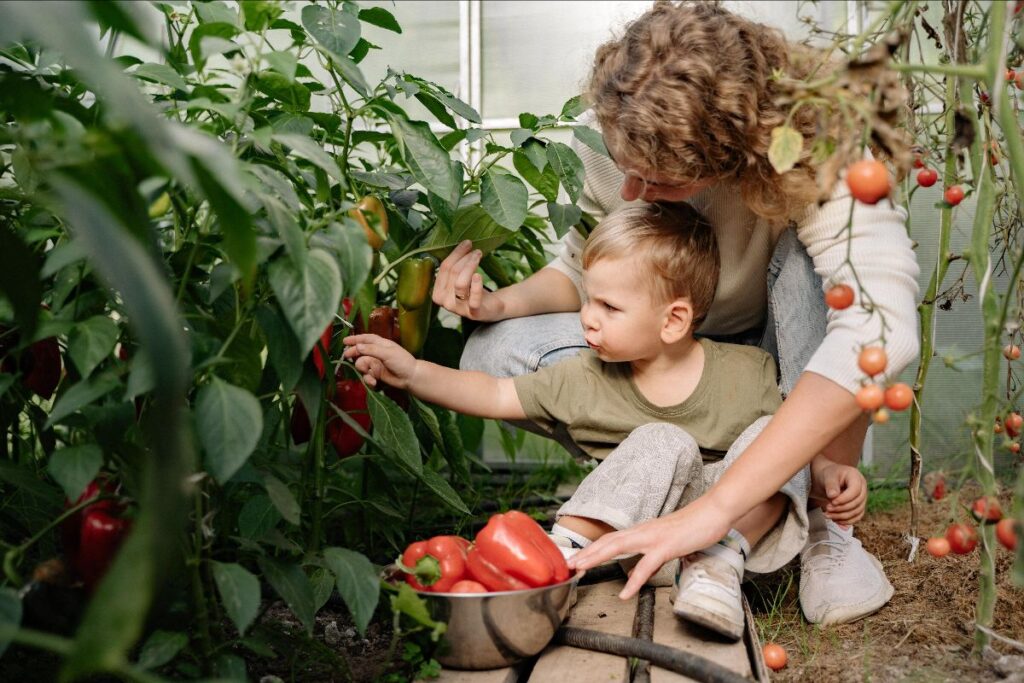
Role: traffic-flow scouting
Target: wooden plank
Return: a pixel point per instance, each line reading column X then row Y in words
column 598, row 608
column 674, row 632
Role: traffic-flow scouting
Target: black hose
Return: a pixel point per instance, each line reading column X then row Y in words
column 685, row 663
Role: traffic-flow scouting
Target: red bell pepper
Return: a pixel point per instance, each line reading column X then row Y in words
column 350, row 397
column 102, row 535
column 71, row 528
column 325, row 340
column 435, row 565
column 514, row 548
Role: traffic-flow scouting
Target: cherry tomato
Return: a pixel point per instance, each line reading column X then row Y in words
column 1011, row 352
column 1015, row 447
column 839, row 297
column 872, row 360
column 918, row 161
column 998, row 428
column 881, row 416
column 926, row 177
column 939, row 492
column 868, row 181
column 899, row 397
column 775, row 656
column 1006, row 532
column 962, row 538
column 954, row 195
column 1011, row 76
column 870, row 397
column 987, row 509
column 468, row 586
column 938, row 546
column 1013, row 423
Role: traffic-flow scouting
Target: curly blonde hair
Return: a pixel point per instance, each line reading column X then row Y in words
column 688, row 92
column 676, row 245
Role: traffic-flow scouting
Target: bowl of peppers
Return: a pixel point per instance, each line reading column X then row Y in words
column 503, row 596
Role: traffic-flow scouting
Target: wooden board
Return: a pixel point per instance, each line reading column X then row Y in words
column 674, row 632
column 598, row 608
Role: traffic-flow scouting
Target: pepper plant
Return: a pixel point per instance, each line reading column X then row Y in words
column 185, row 235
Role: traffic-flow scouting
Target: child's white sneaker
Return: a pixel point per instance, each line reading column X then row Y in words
column 840, row 582
column 707, row 590
column 565, row 544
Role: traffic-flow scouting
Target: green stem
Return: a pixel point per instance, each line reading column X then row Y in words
column 318, row 469
column 972, row 71
column 198, row 592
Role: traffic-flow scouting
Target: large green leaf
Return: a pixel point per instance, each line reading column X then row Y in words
column 378, row 16
column 160, row 73
column 91, row 342
column 287, row 228
column 505, row 198
column 545, row 182
column 443, row 490
column 10, row 616
column 413, row 606
column 19, row 280
column 257, row 517
column 293, row 586
column 161, row 647
column 308, row 296
column 282, row 346
column 283, row 499
column 567, row 165
column 323, row 587
column 82, row 394
column 591, row 138
column 229, row 423
column 74, row 467
column 336, row 30
column 470, row 223
column 563, row 216
column 347, row 241
column 357, row 581
column 393, row 430
column 426, row 159
column 294, row 96
column 312, row 151
column 239, row 593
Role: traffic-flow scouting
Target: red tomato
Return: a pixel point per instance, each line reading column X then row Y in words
column 881, row 416
column 918, row 161
column 926, row 177
column 1015, row 447
column 938, row 547
column 872, row 360
column 870, row 397
column 962, row 538
column 1011, row 352
column 468, row 586
column 939, row 492
column 987, row 508
column 868, row 181
column 775, row 656
column 899, row 397
column 1006, row 532
column 839, row 297
column 1013, row 424
column 954, row 195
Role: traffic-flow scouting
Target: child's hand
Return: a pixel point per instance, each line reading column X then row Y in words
column 846, row 490
column 380, row 359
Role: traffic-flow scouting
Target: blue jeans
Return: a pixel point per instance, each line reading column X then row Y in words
column 794, row 328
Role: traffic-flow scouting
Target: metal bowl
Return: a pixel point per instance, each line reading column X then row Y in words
column 494, row 630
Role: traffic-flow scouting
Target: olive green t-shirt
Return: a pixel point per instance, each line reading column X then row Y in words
column 600, row 405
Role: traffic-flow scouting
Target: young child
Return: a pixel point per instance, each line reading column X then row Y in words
column 664, row 411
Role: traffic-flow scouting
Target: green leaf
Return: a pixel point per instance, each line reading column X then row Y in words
column 472, row 223
column 74, row 467
column 348, row 243
column 259, row 14
column 426, row 159
column 294, row 588
column 283, row 499
column 352, row 74
column 591, row 138
column 235, row 221
column 5, row 382
column 436, row 483
column 413, row 606
column 216, row 11
column 19, row 280
column 573, row 107
column 10, row 616
column 210, row 39
column 505, row 198
column 91, row 342
column 160, row 73
column 81, row 395
column 545, row 182
column 335, row 30
column 283, row 63
column 393, row 430
column 282, row 346
column 160, row 648
column 239, row 592
column 563, row 217
column 452, row 445
column 257, row 517
column 141, row 379
column 308, row 296
column 311, row 151
column 287, row 228
column 293, row 95
column 357, row 581
column 229, row 423
column 785, row 148
column 378, row 16
column 567, row 165
column 519, row 136
column 323, row 587
column 459, row 107
column 438, row 110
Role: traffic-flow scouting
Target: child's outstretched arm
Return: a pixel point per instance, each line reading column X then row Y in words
column 471, row 393
column 843, row 487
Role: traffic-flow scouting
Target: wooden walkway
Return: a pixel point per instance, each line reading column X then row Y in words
column 598, row 608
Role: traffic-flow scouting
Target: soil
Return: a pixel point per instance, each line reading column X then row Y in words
column 925, row 633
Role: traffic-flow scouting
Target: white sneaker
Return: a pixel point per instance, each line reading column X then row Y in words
column 663, row 578
column 568, row 546
column 840, row 582
column 708, row 590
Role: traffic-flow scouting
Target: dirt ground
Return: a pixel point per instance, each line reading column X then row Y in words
column 926, row 633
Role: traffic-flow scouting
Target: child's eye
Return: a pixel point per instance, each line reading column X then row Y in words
column 608, row 306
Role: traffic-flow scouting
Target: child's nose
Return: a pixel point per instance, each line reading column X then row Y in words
column 586, row 318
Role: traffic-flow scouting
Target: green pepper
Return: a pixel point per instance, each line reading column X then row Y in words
column 415, row 278
column 413, row 327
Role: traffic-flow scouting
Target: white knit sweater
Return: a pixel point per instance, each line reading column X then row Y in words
column 879, row 249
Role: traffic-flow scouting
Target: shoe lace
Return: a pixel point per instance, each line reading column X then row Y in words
column 825, row 561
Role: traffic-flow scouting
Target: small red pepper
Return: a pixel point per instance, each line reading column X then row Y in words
column 102, row 535
column 350, row 397
column 435, row 565
column 325, row 339
column 71, row 528
column 514, row 546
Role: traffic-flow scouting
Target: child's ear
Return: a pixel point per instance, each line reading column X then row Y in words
column 678, row 321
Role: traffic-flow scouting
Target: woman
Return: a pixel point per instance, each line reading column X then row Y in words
column 686, row 102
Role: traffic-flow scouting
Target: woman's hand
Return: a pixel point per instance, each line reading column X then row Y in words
column 381, row 359
column 845, row 489
column 460, row 289
column 685, row 531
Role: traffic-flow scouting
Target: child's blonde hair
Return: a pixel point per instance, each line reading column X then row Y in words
column 676, row 245
column 688, row 91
